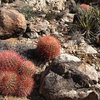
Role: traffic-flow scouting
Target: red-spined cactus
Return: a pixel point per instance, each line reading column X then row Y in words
column 27, row 68
column 48, row 47
column 8, row 82
column 25, row 85
column 10, row 60
column 85, row 6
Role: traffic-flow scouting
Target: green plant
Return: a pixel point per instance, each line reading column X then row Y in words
column 97, row 14
column 28, row 12
column 8, row 82
column 27, row 68
column 25, row 85
column 88, row 22
column 48, row 47
column 50, row 16
column 10, row 60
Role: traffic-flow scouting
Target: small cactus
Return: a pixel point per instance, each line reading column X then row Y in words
column 85, row 6
column 48, row 47
column 10, row 60
column 8, row 82
column 27, row 68
column 25, row 85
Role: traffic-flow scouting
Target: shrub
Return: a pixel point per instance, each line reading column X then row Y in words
column 88, row 22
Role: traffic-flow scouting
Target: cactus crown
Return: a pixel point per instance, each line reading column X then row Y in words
column 48, row 47
column 8, row 82
column 25, row 86
column 27, row 68
column 10, row 60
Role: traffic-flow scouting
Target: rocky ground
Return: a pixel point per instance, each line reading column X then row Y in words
column 73, row 75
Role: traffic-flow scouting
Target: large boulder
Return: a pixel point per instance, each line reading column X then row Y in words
column 11, row 22
column 68, row 78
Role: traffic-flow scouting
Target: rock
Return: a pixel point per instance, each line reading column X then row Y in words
column 56, row 87
column 79, row 45
column 66, row 57
column 38, row 25
column 90, row 49
column 11, row 22
column 76, row 62
column 32, row 35
column 91, row 96
column 69, row 79
column 45, row 4
column 89, row 71
column 68, row 17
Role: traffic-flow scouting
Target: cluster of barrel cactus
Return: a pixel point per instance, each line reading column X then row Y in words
column 16, row 74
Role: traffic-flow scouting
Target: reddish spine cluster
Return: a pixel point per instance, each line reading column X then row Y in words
column 8, row 82
column 10, row 60
column 27, row 68
column 48, row 47
column 25, row 85
column 15, row 74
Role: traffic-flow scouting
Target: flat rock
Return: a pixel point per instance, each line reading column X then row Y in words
column 89, row 71
column 45, row 4
column 66, row 57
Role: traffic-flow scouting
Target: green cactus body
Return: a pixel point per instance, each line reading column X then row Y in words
column 10, row 60
column 27, row 68
column 25, row 85
column 8, row 82
column 48, row 47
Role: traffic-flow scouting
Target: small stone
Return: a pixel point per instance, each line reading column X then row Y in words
column 90, row 49
column 32, row 35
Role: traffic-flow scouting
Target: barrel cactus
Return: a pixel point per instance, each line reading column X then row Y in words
column 27, row 68
column 25, row 85
column 10, row 60
column 48, row 47
column 8, row 82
